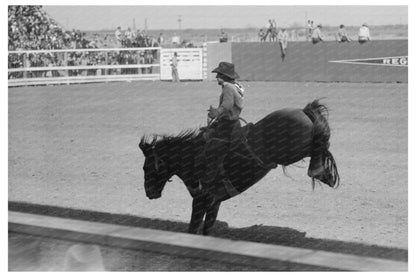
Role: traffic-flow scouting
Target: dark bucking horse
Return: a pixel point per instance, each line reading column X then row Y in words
column 281, row 138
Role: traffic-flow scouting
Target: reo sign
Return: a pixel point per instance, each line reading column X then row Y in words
column 383, row 61
column 396, row 61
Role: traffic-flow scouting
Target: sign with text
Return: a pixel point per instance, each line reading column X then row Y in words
column 384, row 61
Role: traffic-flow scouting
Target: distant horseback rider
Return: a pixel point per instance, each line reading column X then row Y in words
column 225, row 120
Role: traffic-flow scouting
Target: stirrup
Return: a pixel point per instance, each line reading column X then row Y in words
column 199, row 185
column 203, row 186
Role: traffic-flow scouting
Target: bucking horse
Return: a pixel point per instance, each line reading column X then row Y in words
column 282, row 138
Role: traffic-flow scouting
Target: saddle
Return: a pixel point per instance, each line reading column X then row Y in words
column 239, row 137
column 237, row 134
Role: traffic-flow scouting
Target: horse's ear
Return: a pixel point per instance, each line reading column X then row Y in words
column 144, row 146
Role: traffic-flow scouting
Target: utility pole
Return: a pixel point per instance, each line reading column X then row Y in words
column 180, row 21
column 145, row 24
column 306, row 18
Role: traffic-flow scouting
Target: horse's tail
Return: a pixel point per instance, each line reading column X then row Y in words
column 318, row 113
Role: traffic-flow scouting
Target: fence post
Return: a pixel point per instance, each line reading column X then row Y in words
column 106, row 63
column 25, row 64
column 66, row 63
column 160, row 63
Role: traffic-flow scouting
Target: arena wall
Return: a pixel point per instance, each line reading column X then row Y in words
column 307, row 62
column 217, row 52
column 254, row 61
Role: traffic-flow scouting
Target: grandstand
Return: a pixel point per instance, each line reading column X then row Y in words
column 31, row 28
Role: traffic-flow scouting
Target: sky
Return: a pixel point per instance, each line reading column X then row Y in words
column 94, row 17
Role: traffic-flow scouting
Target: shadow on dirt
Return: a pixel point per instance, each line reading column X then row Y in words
column 257, row 233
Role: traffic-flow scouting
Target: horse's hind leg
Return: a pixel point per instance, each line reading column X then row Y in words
column 198, row 212
column 211, row 217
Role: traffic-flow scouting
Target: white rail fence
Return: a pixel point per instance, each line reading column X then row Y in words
column 42, row 67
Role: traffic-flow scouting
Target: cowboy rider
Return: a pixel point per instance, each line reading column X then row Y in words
column 225, row 120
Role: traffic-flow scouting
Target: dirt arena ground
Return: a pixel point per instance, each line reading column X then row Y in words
column 76, row 147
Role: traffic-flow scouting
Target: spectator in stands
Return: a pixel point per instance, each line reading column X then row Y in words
column 14, row 30
column 317, row 34
column 113, row 60
column 128, row 37
column 274, row 24
column 175, row 39
column 160, row 39
column 139, row 40
column 94, row 42
column 174, row 65
column 83, row 62
column 119, row 36
column 309, row 29
column 223, row 36
column 261, row 35
column 269, row 30
column 273, row 34
column 153, row 42
column 142, row 60
column 283, row 38
column 342, row 35
column 364, row 34
column 15, row 62
column 149, row 60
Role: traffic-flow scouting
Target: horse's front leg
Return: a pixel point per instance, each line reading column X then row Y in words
column 198, row 211
column 211, row 217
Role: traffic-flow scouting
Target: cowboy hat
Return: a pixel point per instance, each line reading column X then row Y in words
column 226, row 69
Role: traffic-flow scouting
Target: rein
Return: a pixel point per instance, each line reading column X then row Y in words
column 157, row 159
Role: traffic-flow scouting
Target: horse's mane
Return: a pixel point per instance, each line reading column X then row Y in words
column 161, row 140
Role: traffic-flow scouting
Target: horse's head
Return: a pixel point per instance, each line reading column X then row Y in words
column 156, row 170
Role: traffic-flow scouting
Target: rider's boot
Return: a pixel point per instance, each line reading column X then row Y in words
column 215, row 152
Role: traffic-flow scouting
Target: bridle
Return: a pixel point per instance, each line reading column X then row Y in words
column 159, row 161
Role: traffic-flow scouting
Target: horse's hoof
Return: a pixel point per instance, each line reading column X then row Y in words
column 326, row 178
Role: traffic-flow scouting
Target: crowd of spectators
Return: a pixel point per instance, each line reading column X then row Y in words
column 315, row 33
column 30, row 28
column 138, row 38
column 271, row 31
